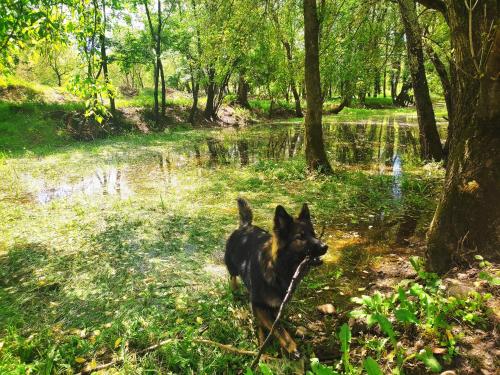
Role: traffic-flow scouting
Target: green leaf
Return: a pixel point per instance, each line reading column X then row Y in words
column 370, row 320
column 429, row 360
column 357, row 300
column 493, row 280
column 386, row 326
column 371, row 367
column 357, row 314
column 345, row 337
column 405, row 315
column 319, row 369
column 265, row 369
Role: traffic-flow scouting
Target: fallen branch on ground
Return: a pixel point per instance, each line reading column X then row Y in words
column 228, row 348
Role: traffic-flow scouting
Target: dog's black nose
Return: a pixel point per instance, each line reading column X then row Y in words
column 324, row 247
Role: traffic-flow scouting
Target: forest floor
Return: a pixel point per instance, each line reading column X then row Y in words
column 111, row 246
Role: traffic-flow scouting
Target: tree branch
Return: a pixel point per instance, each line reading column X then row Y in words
column 438, row 5
column 295, row 279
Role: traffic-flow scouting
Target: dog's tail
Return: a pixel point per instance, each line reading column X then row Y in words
column 246, row 215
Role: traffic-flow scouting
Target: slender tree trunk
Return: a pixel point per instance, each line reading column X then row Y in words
column 385, row 82
column 443, row 75
column 315, row 149
column 467, row 219
column 158, row 61
column 397, row 56
column 293, row 87
column 395, row 75
column 104, row 58
column 155, row 93
column 59, row 79
column 163, row 91
column 156, row 75
column 446, row 84
column 403, row 99
column 194, row 108
column 430, row 144
column 376, row 84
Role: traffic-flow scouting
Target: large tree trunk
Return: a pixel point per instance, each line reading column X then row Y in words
column 467, row 219
column 242, row 96
column 430, row 144
column 315, row 149
column 210, row 113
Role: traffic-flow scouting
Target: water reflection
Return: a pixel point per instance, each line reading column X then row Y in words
column 109, row 182
column 383, row 144
column 396, row 173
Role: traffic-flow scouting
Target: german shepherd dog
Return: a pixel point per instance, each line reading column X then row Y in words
column 266, row 263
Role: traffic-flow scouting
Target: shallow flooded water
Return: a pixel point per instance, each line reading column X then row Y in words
column 384, row 145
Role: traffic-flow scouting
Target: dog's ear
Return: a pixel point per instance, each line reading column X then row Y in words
column 305, row 215
column 282, row 221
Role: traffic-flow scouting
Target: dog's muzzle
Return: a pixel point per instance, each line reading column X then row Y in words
column 316, row 253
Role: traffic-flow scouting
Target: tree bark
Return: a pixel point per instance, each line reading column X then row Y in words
column 403, row 99
column 104, row 58
column 293, row 87
column 59, row 79
column 467, row 219
column 336, row 110
column 446, row 84
column 385, row 81
column 163, row 90
column 242, row 96
column 430, row 144
column 315, row 149
column 209, row 112
column 443, row 75
column 194, row 107
column 157, row 61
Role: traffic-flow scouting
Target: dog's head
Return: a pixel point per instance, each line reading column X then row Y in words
column 296, row 237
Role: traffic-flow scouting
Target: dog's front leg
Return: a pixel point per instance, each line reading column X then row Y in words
column 265, row 320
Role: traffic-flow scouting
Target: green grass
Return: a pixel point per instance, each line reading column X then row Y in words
column 92, row 277
column 264, row 105
column 33, row 126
